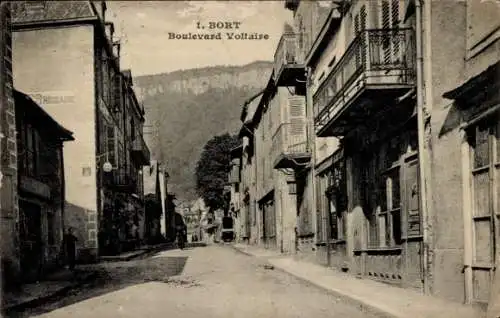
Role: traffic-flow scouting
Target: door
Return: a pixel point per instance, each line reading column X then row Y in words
column 485, row 175
column 269, row 217
column 30, row 233
column 414, row 248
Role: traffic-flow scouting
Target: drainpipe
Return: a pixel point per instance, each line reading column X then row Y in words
column 421, row 142
column 1, row 176
column 312, row 146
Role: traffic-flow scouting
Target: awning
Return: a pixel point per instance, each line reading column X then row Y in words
column 488, row 77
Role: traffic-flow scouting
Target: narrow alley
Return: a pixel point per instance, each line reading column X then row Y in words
column 212, row 281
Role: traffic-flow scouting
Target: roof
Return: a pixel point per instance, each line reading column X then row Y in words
column 40, row 117
column 267, row 94
column 29, row 12
column 244, row 111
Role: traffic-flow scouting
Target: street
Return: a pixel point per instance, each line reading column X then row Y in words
column 212, row 281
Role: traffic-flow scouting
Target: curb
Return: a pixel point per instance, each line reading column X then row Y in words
column 241, row 251
column 356, row 302
column 35, row 302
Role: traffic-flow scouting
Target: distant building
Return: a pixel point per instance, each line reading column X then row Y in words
column 199, row 209
column 154, row 225
column 234, row 180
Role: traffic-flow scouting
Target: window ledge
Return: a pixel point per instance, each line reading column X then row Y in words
column 331, row 242
column 379, row 250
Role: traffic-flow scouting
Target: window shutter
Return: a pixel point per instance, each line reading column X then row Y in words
column 235, row 171
column 395, row 10
column 111, row 145
column 362, row 18
column 297, row 124
column 386, row 22
column 395, row 13
column 117, row 92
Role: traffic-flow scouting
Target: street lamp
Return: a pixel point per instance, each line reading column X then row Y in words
column 107, row 166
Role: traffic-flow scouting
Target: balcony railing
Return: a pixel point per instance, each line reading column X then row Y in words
column 140, row 151
column 288, row 62
column 381, row 59
column 121, row 181
column 289, row 145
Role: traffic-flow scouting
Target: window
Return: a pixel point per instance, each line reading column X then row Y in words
column 132, row 129
column 51, row 233
column 383, row 195
column 337, row 195
column 29, row 138
column 110, row 145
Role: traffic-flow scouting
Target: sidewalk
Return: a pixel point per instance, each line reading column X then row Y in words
column 383, row 299
column 59, row 283
column 53, row 285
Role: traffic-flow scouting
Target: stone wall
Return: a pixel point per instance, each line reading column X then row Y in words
column 8, row 154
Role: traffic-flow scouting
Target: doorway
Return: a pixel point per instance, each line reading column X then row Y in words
column 484, row 140
column 30, row 235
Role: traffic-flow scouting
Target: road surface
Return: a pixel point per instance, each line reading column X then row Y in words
column 201, row 282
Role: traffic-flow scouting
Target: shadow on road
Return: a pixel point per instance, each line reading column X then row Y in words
column 109, row 277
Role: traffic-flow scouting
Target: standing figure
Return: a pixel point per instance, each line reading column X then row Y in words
column 69, row 246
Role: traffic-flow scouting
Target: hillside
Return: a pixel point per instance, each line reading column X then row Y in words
column 184, row 109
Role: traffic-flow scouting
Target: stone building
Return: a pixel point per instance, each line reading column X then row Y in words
column 249, row 219
column 83, row 87
column 40, row 188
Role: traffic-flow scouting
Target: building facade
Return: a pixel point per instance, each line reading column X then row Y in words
column 40, row 188
column 398, row 178
column 250, row 229
column 83, row 88
column 465, row 136
column 155, row 211
column 234, row 180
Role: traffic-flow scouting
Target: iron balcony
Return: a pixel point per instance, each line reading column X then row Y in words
column 288, row 63
column 377, row 67
column 289, row 145
column 140, row 151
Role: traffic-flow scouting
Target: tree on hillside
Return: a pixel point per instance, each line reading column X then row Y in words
column 212, row 169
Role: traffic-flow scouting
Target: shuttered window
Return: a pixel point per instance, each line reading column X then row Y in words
column 297, row 134
column 390, row 18
column 111, row 145
column 359, row 27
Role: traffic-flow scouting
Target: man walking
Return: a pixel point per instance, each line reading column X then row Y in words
column 69, row 246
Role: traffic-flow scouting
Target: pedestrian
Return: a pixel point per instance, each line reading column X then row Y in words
column 69, row 246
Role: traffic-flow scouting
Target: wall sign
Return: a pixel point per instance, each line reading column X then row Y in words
column 53, row 97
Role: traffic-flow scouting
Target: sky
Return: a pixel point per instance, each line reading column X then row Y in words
column 144, row 28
